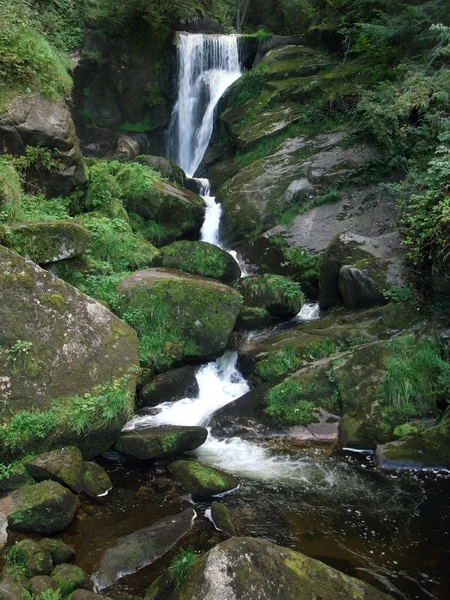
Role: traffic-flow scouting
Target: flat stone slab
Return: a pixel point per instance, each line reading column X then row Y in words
column 141, row 548
column 325, row 432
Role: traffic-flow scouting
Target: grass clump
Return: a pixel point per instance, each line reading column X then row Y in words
column 286, row 403
column 28, row 62
column 180, row 565
column 198, row 258
column 282, row 362
column 10, row 191
column 271, row 290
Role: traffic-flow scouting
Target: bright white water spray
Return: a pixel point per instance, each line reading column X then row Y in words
column 208, row 65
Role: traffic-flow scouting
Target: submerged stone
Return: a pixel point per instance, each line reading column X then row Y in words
column 141, row 548
column 96, row 481
column 64, row 465
column 44, row 508
column 158, row 442
column 202, row 481
column 222, row 518
column 255, row 569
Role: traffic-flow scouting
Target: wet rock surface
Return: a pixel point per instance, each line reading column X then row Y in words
column 202, row 481
column 170, row 386
column 158, row 442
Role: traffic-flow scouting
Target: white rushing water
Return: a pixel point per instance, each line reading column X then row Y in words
column 208, row 65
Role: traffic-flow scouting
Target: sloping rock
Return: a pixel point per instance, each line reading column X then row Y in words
column 202, row 481
column 72, row 345
column 157, row 442
column 32, row 120
column 167, row 387
column 47, row 242
column 299, row 169
column 64, row 466
column 59, row 551
column 96, row 481
column 357, row 270
column 141, row 548
column 255, row 569
column 200, row 258
column 200, row 312
column 44, row 508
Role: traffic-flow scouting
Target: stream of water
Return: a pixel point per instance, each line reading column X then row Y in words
column 389, row 528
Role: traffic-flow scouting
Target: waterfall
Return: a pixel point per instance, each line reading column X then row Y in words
column 207, row 66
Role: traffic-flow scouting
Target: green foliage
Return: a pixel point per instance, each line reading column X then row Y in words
column 61, row 22
column 40, row 208
column 402, row 432
column 10, row 191
column 180, row 565
column 27, row 60
column 105, row 404
column 275, row 288
column 250, row 85
column 284, row 403
column 196, row 258
column 139, row 127
column 417, row 378
column 406, row 294
column 16, row 560
column 282, row 362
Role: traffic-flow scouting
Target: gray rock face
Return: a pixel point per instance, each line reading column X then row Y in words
column 74, row 344
column 357, row 270
column 35, row 121
column 141, row 548
column 167, row 387
column 157, row 442
column 254, row 569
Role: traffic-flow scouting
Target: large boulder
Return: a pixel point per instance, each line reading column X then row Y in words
column 64, row 465
column 158, row 442
column 32, row 120
column 57, row 346
column 280, row 296
column 44, row 508
column 358, row 270
column 168, row 387
column 200, row 258
column 202, row 481
column 199, row 313
column 47, row 242
column 249, row 568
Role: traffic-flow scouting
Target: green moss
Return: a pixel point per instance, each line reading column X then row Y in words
column 274, row 292
column 10, row 191
column 56, row 301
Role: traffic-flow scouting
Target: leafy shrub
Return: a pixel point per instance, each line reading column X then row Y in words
column 10, row 191
column 284, row 403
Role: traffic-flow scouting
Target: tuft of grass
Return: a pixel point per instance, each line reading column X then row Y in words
column 180, row 565
column 285, row 404
column 282, row 362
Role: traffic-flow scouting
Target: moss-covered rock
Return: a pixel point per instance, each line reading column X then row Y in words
column 96, row 481
column 200, row 258
column 11, row 590
column 69, row 578
column 56, row 345
column 64, row 465
column 253, row 317
column 32, row 557
column 429, row 449
column 244, row 568
column 280, row 296
column 44, row 508
column 222, row 518
column 16, row 477
column 157, row 442
column 40, row 585
column 357, row 270
column 59, row 551
column 202, row 481
column 47, row 242
column 194, row 314
column 87, row 595
column 168, row 169
column 167, row 387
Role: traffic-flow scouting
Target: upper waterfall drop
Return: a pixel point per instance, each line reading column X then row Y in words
column 208, row 65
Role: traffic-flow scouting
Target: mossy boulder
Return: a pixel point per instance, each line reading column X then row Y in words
column 59, row 551
column 16, row 478
column 44, row 508
column 197, row 314
column 253, row 317
column 357, row 270
column 202, row 481
column 47, row 242
column 222, row 518
column 244, row 568
column 64, row 465
column 157, row 442
column 11, row 590
column 280, row 296
column 200, row 258
column 168, row 169
column 33, row 120
column 429, row 449
column 56, row 346
column 69, row 578
column 41, row 584
column 96, row 481
column 167, row 387
column 32, row 557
